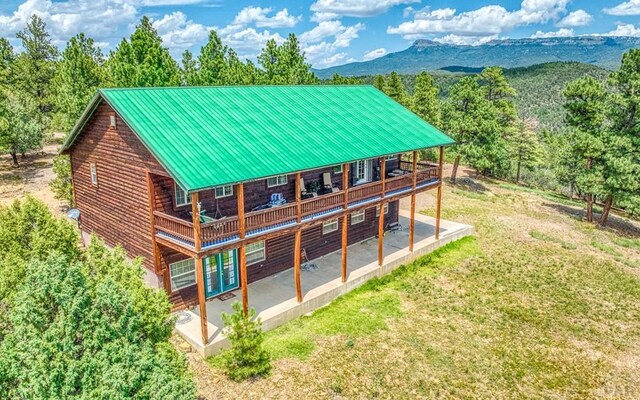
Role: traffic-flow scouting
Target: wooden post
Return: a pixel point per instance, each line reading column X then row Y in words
column 197, row 245
column 383, row 174
column 345, row 190
column 242, row 254
column 439, row 195
column 412, row 220
column 297, row 241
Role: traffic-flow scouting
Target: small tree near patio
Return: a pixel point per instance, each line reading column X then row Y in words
column 246, row 358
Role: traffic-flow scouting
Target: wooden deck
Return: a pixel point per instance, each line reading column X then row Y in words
column 225, row 231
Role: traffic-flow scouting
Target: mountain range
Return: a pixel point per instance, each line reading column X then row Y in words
column 427, row 55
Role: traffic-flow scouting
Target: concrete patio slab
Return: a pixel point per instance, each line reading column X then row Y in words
column 274, row 297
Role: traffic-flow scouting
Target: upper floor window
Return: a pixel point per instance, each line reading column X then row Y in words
column 277, row 181
column 337, row 169
column 391, row 157
column 112, row 121
column 182, row 197
column 224, row 191
column 362, row 172
column 94, row 174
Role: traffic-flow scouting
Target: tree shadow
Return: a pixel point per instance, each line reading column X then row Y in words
column 615, row 223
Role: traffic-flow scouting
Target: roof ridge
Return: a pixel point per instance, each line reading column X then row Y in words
column 231, row 86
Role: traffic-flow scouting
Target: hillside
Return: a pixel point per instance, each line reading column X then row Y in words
column 539, row 87
column 425, row 55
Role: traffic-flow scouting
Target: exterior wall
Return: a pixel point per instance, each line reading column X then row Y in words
column 279, row 250
column 116, row 209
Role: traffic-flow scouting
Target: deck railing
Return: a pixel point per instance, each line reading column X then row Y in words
column 225, row 228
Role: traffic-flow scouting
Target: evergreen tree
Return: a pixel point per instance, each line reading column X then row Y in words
column 585, row 106
column 62, row 184
column 19, row 129
column 35, row 67
column 394, row 88
column 7, row 57
column 189, row 69
column 378, row 82
column 285, row 64
column 524, row 146
column 79, row 75
column 425, row 96
column 212, row 62
column 345, row 80
column 142, row 61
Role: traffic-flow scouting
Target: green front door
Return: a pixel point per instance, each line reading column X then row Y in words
column 221, row 272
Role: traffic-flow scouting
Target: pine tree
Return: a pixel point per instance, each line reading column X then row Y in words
column 285, row 64
column 425, row 102
column 35, row 67
column 79, row 75
column 20, row 132
column 378, row 82
column 212, row 62
column 7, row 57
column 142, row 61
column 189, row 69
column 585, row 105
column 394, row 88
column 524, row 146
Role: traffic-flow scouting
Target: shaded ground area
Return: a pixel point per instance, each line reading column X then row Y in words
column 538, row 305
column 32, row 177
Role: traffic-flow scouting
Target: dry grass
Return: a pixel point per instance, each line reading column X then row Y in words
column 538, row 305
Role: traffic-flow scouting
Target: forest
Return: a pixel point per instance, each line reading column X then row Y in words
column 584, row 142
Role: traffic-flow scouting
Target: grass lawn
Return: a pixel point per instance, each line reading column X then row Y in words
column 537, row 305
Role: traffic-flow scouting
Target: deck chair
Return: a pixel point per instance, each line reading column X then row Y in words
column 326, row 181
column 306, row 264
column 303, row 191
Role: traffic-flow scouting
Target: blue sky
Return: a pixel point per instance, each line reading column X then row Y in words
column 331, row 31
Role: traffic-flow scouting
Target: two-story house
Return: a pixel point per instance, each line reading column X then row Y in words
column 217, row 187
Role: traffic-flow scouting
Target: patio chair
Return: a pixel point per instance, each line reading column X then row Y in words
column 328, row 185
column 304, row 194
column 306, row 264
column 277, row 199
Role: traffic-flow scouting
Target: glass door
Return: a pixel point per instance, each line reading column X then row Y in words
column 211, row 276
column 221, row 272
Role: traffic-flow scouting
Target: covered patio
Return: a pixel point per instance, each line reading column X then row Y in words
column 274, row 297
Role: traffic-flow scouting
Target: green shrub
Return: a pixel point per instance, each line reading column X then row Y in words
column 247, row 358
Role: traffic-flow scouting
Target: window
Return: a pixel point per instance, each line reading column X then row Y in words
column 183, row 274
column 337, row 169
column 357, row 217
column 255, row 252
column 224, row 191
column 182, row 198
column 94, row 174
column 329, row 226
column 362, row 171
column 391, row 157
column 386, row 209
column 277, row 181
column 112, row 121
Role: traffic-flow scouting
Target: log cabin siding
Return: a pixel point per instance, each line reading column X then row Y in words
column 279, row 250
column 116, row 209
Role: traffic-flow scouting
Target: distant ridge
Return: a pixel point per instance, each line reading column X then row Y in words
column 427, row 55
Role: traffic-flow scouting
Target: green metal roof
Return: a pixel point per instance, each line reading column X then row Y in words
column 211, row 136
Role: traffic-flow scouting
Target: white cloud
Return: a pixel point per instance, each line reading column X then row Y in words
column 631, row 7
column 355, row 8
column 564, row 32
column 486, row 21
column 375, row 54
column 623, row 30
column 259, row 17
column 178, row 33
column 575, row 18
column 465, row 40
column 321, row 52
